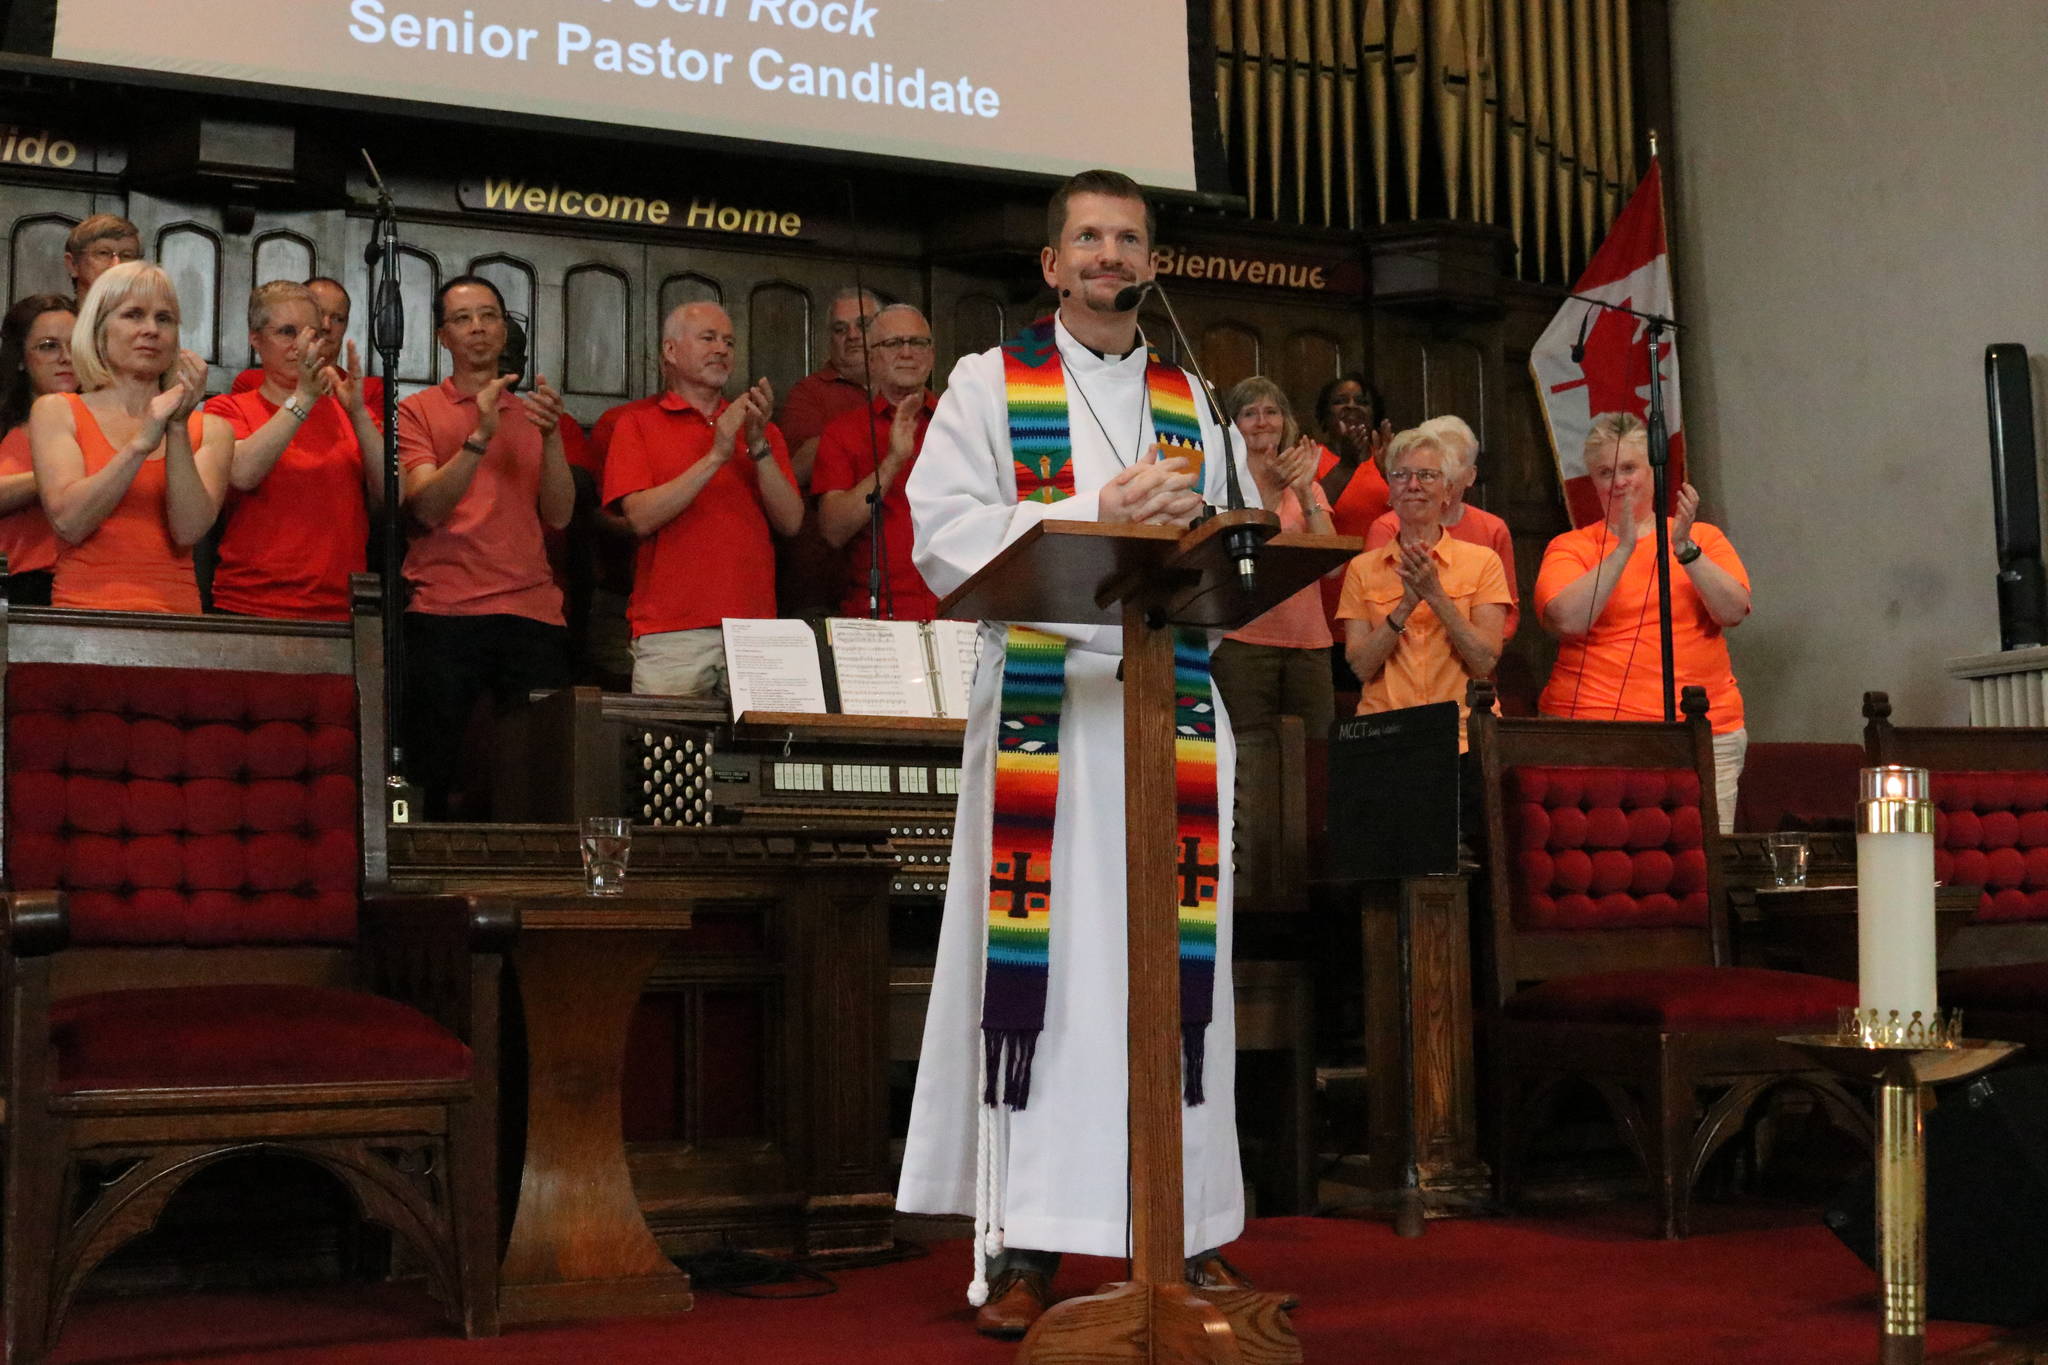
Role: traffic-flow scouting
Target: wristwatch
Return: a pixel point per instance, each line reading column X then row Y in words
column 759, row 451
column 474, row 446
column 1398, row 627
column 298, row 407
column 1686, row 551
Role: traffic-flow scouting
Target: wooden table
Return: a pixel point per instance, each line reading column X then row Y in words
column 580, row 1247
column 1813, row 928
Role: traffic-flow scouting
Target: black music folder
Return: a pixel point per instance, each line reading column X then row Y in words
column 1393, row 808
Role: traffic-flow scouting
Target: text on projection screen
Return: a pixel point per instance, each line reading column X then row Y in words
column 1048, row 86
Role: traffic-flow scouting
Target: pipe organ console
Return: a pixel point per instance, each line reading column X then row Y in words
column 669, row 761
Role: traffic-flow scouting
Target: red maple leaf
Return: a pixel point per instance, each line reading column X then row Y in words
column 1616, row 371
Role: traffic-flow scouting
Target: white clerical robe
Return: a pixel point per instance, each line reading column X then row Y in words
column 1061, row 1161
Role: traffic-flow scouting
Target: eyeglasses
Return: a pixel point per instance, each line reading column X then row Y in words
column 1421, row 476
column 902, row 344
column 108, row 253
column 50, row 346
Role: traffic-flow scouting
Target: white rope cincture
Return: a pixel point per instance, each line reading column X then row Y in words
column 984, row 1140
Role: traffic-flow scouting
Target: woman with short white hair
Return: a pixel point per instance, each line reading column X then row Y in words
column 1462, row 520
column 130, row 474
column 1597, row 593
column 1423, row 614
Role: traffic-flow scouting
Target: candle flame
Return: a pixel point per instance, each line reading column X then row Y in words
column 1894, row 786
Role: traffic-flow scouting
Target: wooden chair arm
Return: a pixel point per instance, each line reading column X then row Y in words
column 433, row 951
column 38, row 923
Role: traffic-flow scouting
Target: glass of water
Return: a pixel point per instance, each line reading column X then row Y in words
column 1788, row 858
column 607, row 843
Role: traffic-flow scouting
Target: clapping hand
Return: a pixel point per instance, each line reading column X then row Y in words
column 346, row 384
column 314, row 380
column 903, row 427
column 1417, row 572
column 487, row 399
column 1688, row 511
column 1296, row 468
column 544, row 407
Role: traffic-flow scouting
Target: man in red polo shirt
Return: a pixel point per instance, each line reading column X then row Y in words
column 807, row 576
column 703, row 482
column 482, row 469
column 877, row 445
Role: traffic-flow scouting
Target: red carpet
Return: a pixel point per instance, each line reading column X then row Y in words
column 1585, row 1291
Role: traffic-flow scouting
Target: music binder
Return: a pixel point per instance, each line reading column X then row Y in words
column 1394, row 802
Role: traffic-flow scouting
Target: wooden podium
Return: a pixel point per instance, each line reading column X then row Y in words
column 1151, row 579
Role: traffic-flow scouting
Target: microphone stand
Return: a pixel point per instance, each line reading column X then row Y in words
column 387, row 339
column 1660, row 482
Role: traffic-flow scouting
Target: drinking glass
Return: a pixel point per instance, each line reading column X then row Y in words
column 607, row 843
column 1788, row 858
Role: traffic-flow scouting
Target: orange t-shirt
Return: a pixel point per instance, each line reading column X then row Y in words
column 1476, row 527
column 489, row 557
column 1364, row 500
column 1424, row 667
column 1613, row 673
column 1297, row 622
column 25, row 535
column 130, row 563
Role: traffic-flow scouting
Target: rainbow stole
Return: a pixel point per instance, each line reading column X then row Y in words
column 1027, row 769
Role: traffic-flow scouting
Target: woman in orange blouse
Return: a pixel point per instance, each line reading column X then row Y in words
column 1423, row 614
column 35, row 359
column 130, row 473
column 1597, row 592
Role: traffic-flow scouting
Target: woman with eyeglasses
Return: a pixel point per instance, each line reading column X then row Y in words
column 1423, row 614
column 1596, row 591
column 1279, row 664
column 35, row 359
column 130, row 473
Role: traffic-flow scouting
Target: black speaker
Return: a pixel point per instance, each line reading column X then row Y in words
column 1987, row 1201
column 2015, row 497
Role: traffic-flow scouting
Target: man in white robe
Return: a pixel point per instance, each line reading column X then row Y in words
column 1058, row 1181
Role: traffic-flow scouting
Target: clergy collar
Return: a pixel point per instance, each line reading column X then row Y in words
column 1075, row 343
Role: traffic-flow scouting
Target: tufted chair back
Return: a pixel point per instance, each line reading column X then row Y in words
column 194, row 807
column 1603, row 847
column 1990, row 787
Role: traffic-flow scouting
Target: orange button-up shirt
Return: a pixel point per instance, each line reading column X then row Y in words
column 1423, row 668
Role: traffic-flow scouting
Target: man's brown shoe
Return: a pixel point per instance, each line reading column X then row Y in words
column 1213, row 1272
column 1015, row 1300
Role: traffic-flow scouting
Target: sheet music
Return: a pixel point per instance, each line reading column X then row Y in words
column 880, row 666
column 772, row 665
column 955, row 646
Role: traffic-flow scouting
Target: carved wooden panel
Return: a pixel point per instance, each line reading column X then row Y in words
column 775, row 335
column 514, row 278
column 419, row 278
column 688, row 287
column 597, row 329
column 1307, row 359
column 1230, row 352
column 281, row 255
column 35, row 249
column 978, row 322
column 190, row 255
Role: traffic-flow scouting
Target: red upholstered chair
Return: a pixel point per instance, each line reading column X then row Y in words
column 193, row 815
column 1990, row 787
column 1605, row 950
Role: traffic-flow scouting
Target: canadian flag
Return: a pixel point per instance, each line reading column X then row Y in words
column 1632, row 268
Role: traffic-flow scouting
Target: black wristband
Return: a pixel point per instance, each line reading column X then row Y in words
column 1687, row 553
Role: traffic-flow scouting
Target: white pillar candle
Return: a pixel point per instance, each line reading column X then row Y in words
column 1895, row 895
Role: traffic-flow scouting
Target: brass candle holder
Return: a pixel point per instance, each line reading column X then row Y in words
column 1902, row 1058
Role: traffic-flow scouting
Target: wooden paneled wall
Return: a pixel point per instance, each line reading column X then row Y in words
column 1349, row 113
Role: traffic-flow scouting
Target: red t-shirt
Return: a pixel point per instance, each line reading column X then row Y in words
column 846, row 455
column 813, row 401
column 600, row 438
column 1476, row 527
column 1363, row 501
column 25, row 534
column 489, row 557
column 716, row 558
column 373, row 390
column 292, row 541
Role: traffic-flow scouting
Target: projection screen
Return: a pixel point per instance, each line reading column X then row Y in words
column 1044, row 86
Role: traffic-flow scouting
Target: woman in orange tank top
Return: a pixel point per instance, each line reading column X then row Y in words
column 130, row 473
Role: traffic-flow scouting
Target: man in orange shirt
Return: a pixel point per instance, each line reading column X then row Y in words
column 1597, row 592
column 98, row 244
column 1473, row 525
column 703, row 483
column 1422, row 615
column 482, row 469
